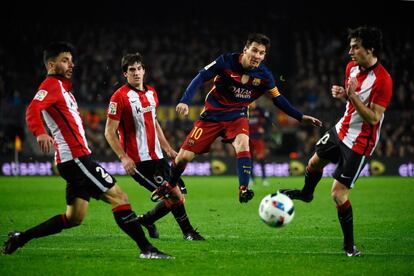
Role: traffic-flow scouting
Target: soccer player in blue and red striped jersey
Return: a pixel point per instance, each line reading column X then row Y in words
column 239, row 79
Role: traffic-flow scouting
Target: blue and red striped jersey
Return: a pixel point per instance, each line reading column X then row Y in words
column 234, row 88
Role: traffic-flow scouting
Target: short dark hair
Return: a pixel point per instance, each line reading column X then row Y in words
column 370, row 37
column 130, row 59
column 55, row 48
column 259, row 38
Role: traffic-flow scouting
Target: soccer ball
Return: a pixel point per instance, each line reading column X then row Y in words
column 276, row 210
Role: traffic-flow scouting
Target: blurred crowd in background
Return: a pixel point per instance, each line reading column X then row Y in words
column 306, row 59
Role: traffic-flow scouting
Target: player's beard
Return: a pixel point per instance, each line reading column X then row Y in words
column 67, row 73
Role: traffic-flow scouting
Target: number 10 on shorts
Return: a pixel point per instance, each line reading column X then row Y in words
column 196, row 133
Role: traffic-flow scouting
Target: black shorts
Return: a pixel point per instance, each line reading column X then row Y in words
column 349, row 163
column 152, row 173
column 85, row 178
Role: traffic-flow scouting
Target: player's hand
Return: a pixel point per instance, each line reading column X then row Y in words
column 309, row 120
column 338, row 92
column 128, row 164
column 45, row 142
column 182, row 108
column 171, row 153
column 350, row 90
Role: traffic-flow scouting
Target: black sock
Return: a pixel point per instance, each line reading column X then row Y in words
column 181, row 217
column 51, row 226
column 312, row 177
column 346, row 220
column 176, row 172
column 159, row 211
column 122, row 214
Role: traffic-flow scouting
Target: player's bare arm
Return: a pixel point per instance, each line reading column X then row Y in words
column 182, row 109
column 45, row 142
column 164, row 143
column 110, row 135
column 371, row 114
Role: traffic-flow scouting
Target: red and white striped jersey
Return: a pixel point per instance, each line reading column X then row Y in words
column 61, row 114
column 136, row 112
column 374, row 86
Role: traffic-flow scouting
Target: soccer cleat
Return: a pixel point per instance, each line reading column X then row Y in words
column 245, row 194
column 154, row 253
column 296, row 194
column 193, row 235
column 12, row 243
column 352, row 252
column 161, row 192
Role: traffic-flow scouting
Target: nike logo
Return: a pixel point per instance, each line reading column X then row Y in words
column 233, row 76
column 342, row 175
column 134, row 101
column 244, row 129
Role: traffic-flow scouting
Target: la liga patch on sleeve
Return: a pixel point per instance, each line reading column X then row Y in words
column 40, row 95
column 112, row 108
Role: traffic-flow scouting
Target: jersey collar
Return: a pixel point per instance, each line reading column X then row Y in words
column 67, row 84
column 137, row 90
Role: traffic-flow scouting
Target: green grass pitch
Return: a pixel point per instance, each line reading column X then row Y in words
column 238, row 243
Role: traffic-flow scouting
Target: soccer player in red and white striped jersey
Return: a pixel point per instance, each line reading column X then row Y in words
column 132, row 113
column 84, row 177
column 368, row 91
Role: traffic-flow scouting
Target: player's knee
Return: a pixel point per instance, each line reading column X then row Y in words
column 174, row 202
column 339, row 196
column 120, row 196
column 313, row 164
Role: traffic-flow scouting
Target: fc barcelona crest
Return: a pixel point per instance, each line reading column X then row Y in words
column 190, row 142
column 244, row 79
column 256, row 82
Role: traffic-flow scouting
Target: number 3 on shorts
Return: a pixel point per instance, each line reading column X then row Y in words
column 324, row 139
column 196, row 133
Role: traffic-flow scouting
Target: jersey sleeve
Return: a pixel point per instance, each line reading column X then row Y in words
column 384, row 92
column 115, row 107
column 271, row 87
column 205, row 74
column 211, row 70
column 44, row 98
